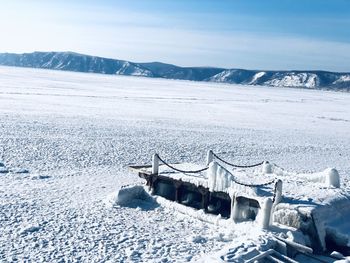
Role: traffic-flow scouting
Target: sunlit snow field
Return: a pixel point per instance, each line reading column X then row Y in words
column 77, row 133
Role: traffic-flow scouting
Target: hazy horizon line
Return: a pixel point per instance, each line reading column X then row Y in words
column 176, row 65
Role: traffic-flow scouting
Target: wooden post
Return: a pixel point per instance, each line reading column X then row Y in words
column 155, row 164
column 153, row 181
column 205, row 200
column 177, row 189
column 210, row 157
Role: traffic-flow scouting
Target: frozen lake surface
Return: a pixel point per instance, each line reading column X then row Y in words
column 77, row 133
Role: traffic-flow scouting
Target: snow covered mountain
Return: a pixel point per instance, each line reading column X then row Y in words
column 187, row 73
column 83, row 63
column 302, row 79
column 74, row 62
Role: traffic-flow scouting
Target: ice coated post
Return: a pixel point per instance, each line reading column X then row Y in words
column 155, row 164
column 210, row 157
column 235, row 209
column 332, row 177
column 266, row 167
column 278, row 197
column 266, row 213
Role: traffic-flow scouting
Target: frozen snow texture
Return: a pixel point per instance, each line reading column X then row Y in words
column 3, row 170
column 84, row 129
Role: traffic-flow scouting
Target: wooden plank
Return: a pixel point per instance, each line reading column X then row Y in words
column 261, row 256
column 271, row 258
column 139, row 168
column 296, row 246
column 146, row 168
column 285, row 258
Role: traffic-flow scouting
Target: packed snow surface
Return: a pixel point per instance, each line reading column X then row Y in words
column 75, row 134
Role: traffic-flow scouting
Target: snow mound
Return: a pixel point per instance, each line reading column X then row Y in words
column 346, row 260
column 329, row 177
column 134, row 196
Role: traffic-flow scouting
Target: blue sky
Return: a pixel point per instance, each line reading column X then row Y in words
column 253, row 34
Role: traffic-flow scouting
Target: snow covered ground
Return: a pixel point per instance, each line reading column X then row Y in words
column 76, row 133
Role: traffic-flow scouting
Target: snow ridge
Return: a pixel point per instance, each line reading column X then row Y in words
column 71, row 61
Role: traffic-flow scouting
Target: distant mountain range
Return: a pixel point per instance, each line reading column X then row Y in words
column 84, row 63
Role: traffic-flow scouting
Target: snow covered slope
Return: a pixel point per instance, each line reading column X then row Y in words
column 84, row 63
column 300, row 79
column 74, row 62
column 76, row 133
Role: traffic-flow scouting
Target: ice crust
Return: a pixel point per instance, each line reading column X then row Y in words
column 82, row 130
column 219, row 178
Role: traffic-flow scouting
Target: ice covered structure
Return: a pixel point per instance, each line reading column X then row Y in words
column 214, row 190
column 329, row 177
column 247, row 201
column 313, row 203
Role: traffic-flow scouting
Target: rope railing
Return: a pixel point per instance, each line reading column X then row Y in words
column 273, row 181
column 236, row 165
column 206, row 168
column 274, row 192
column 251, row 185
column 182, row 171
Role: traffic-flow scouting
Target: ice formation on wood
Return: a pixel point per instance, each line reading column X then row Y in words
column 219, row 179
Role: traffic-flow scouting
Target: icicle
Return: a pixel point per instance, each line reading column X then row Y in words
column 235, row 209
column 212, row 175
column 219, row 178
